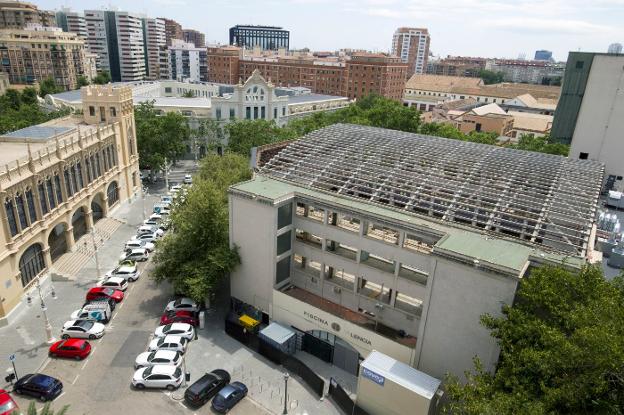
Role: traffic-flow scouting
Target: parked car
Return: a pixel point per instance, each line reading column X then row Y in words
column 98, row 301
column 117, row 283
column 160, row 376
column 146, row 237
column 155, row 216
column 151, row 222
column 206, row 387
column 182, row 304
column 173, row 316
column 150, row 229
column 140, row 243
column 7, row 404
column 175, row 188
column 127, row 270
column 99, row 293
column 229, row 396
column 82, row 329
column 166, row 199
column 39, row 386
column 188, row 179
column 175, row 343
column 72, row 348
column 176, row 329
column 159, row 357
column 135, row 254
column 99, row 311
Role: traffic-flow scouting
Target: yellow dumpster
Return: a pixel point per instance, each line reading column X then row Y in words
column 249, row 323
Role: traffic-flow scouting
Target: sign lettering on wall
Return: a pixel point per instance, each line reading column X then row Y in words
column 375, row 377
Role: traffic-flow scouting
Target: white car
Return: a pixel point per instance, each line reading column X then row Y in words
column 175, row 329
column 155, row 216
column 182, row 304
column 140, row 243
column 151, row 222
column 136, row 254
column 82, row 329
column 128, row 272
column 150, row 229
column 188, row 179
column 175, row 343
column 175, row 188
column 117, row 283
column 160, row 376
column 157, row 358
column 145, row 237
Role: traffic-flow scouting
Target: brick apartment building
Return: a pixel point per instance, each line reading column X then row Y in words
column 361, row 75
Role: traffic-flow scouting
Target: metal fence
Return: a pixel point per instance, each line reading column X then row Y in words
column 343, row 400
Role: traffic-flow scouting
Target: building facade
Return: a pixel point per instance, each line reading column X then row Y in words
column 155, row 44
column 173, row 30
column 266, row 37
column 59, row 179
column 412, row 46
column 338, row 236
column 30, row 56
column 543, row 55
column 18, row 14
column 456, row 66
column 590, row 113
column 223, row 64
column 72, row 22
column 187, row 62
column 523, row 71
column 372, row 73
column 195, row 37
column 4, row 82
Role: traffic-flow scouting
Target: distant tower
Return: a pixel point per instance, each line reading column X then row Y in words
column 615, row 48
column 543, row 55
column 522, row 56
column 412, row 46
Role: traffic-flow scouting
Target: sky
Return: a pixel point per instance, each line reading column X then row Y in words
column 487, row 28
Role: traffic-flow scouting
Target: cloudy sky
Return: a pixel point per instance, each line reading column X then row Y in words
column 489, row 28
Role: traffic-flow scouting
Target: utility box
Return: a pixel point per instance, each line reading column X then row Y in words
column 389, row 387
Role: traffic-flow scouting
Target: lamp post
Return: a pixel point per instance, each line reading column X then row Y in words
column 97, row 258
column 166, row 175
column 285, row 393
column 145, row 193
column 48, row 326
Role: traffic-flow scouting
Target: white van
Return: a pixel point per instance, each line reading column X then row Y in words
column 99, row 311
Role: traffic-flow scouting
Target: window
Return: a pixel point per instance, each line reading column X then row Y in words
column 232, row 113
column 275, row 113
column 308, row 238
column 247, row 113
column 419, row 243
column 283, row 111
column 263, row 112
column 377, row 261
column 112, row 193
column 21, row 211
column 30, row 201
column 341, row 249
column 255, row 113
column 375, row 291
column 8, row 206
column 79, row 175
column 113, row 111
column 218, row 113
column 31, row 263
column 50, row 190
column 42, row 198
column 583, row 156
column 478, row 127
column 92, row 110
column 408, row 304
column 580, row 64
column 102, row 114
column 282, row 270
column 284, row 215
column 68, row 184
column 283, row 243
column 413, row 274
column 340, row 277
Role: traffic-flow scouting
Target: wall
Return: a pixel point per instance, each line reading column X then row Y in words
column 389, row 398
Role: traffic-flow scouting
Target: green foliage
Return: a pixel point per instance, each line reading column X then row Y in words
column 159, row 137
column 48, row 86
column 197, row 255
column 82, row 81
column 245, row 134
column 20, row 110
column 491, row 77
column 45, row 410
column 562, row 349
column 102, row 78
column 189, row 94
column 541, row 144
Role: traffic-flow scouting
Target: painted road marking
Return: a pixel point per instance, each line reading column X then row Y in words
column 75, row 379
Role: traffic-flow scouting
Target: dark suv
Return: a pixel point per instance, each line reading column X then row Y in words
column 206, row 387
column 39, row 385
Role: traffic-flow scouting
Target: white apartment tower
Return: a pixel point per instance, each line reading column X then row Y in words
column 155, row 45
column 72, row 22
column 187, row 62
column 412, row 46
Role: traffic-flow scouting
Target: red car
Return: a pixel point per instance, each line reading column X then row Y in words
column 74, row 348
column 7, row 404
column 187, row 317
column 105, row 292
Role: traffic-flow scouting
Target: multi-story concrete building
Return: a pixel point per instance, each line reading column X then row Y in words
column 117, row 38
column 266, row 37
column 590, row 113
column 195, row 37
column 456, row 66
column 223, row 64
column 173, row 30
column 615, row 48
column 533, row 72
column 36, row 53
column 58, row 179
column 370, row 239
column 154, row 43
column 18, row 14
column 374, row 73
column 187, row 62
column 412, row 46
column 72, row 22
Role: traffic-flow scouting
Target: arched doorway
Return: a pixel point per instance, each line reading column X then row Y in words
column 97, row 212
column 57, row 241
column 112, row 193
column 31, row 263
column 79, row 223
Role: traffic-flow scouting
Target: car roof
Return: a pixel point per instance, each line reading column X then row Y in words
column 201, row 383
column 227, row 390
column 72, row 342
column 129, row 268
column 221, row 373
column 169, row 354
column 180, row 326
column 39, row 379
column 114, row 279
column 171, row 338
column 184, row 300
column 163, row 369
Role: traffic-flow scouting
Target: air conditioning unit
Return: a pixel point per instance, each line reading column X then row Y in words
column 337, row 290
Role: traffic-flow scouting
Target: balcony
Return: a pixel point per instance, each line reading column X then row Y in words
column 342, row 250
column 377, row 262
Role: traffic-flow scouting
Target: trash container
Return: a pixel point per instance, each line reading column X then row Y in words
column 202, row 319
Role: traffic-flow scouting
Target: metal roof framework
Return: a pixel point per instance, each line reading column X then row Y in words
column 539, row 198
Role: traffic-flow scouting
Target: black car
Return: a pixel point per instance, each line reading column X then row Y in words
column 39, row 385
column 206, row 387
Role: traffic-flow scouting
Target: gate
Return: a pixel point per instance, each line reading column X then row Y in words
column 346, row 357
column 317, row 347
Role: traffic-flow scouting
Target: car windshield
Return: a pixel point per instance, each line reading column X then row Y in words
column 167, row 328
column 147, row 372
column 6, row 407
column 85, row 324
column 151, row 356
column 84, row 346
column 160, row 341
column 177, row 302
column 108, row 291
column 177, row 373
column 176, row 358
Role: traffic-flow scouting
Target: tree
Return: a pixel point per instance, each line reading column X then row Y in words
column 48, row 86
column 562, row 349
column 45, row 410
column 20, row 110
column 245, row 134
column 197, row 256
column 543, row 144
column 102, row 78
column 189, row 94
column 82, row 81
column 491, row 77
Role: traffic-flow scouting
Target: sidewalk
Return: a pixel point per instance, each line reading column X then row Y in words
column 26, row 337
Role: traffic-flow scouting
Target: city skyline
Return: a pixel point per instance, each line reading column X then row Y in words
column 498, row 29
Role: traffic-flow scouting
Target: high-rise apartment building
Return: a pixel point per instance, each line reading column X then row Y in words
column 543, row 55
column 18, row 14
column 155, row 42
column 36, row 53
column 412, row 46
column 117, row 38
column 187, row 62
column 72, row 22
column 224, row 64
column 615, row 48
column 265, row 37
column 173, row 30
column 195, row 37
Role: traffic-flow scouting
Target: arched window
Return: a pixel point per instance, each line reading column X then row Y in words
column 112, row 193
column 31, row 263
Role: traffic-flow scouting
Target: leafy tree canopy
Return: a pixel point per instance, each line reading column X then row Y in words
column 102, row 78
column 82, row 81
column 21, row 109
column 48, row 86
column 197, row 255
column 491, row 77
column 562, row 349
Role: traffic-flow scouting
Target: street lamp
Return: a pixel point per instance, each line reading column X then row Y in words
column 48, row 326
column 145, row 194
column 285, row 393
column 95, row 250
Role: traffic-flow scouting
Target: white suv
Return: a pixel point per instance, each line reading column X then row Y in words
column 160, row 376
column 175, row 343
